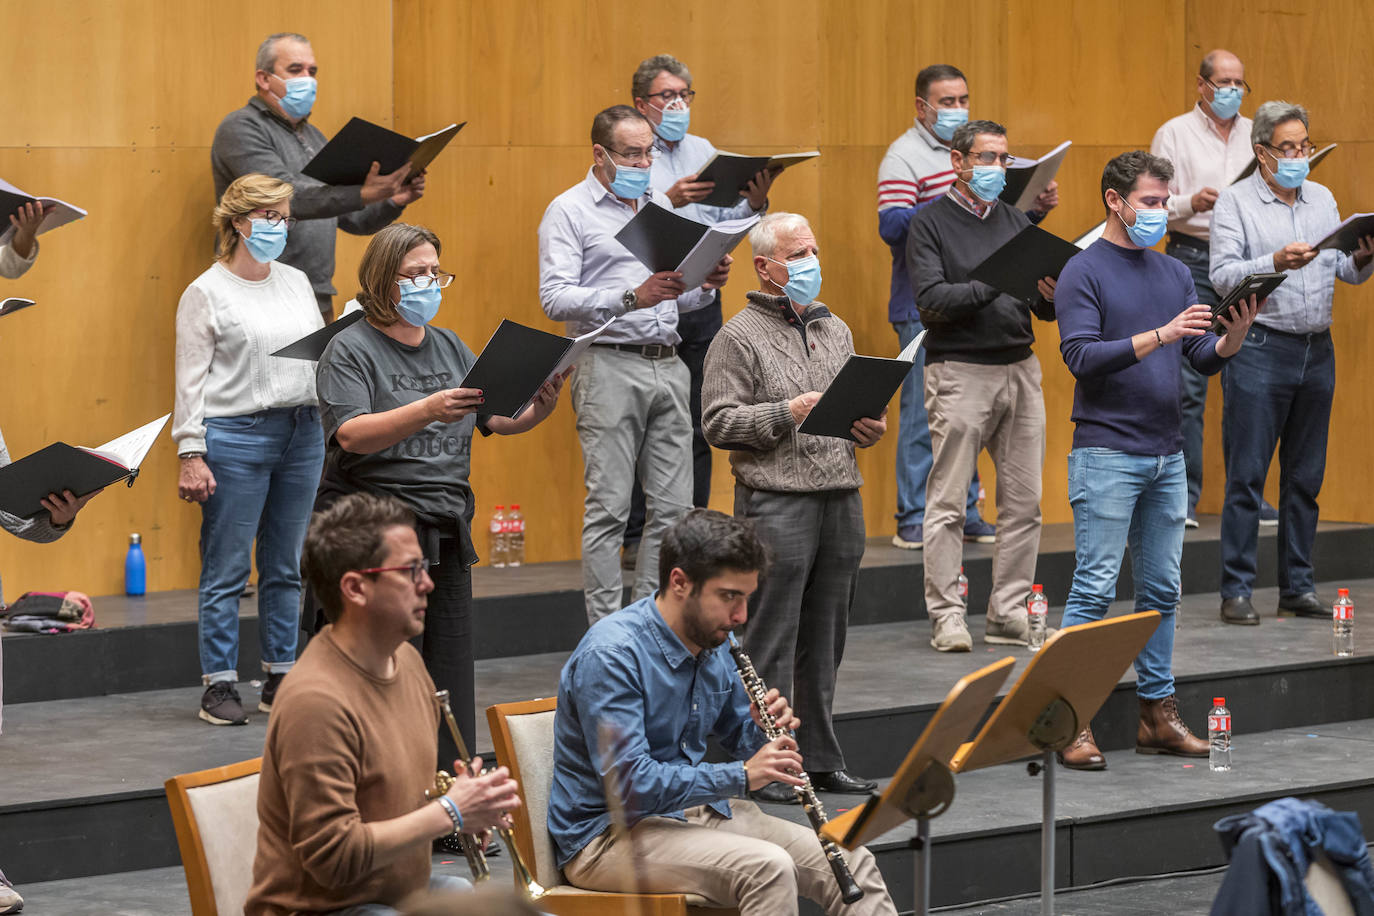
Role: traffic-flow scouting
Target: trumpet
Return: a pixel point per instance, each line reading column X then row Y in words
column 806, row 794
column 472, row 849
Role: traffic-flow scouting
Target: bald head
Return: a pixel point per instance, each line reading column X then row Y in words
column 1220, row 59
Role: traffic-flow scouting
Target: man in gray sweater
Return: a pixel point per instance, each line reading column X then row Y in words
column 272, row 135
column 764, row 373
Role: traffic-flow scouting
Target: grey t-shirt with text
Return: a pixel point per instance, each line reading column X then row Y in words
column 364, row 371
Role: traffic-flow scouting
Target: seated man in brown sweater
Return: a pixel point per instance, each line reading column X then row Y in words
column 343, row 822
column 764, row 372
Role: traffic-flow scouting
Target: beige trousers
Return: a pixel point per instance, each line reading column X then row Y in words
column 974, row 407
column 752, row 860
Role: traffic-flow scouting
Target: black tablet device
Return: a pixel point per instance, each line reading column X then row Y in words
column 1258, row 285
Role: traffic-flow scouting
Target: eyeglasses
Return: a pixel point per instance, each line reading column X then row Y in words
column 273, row 217
column 440, row 278
column 1229, row 84
column 668, row 96
column 989, row 157
column 1294, row 152
column 417, row 570
column 636, row 155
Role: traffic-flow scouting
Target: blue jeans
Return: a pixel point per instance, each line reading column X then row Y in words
column 913, row 442
column 1194, row 389
column 438, row 884
column 1134, row 501
column 267, row 468
column 1276, row 391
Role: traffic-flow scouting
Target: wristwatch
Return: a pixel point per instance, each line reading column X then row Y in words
column 629, row 300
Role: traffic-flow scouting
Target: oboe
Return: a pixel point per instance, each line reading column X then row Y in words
column 806, row 794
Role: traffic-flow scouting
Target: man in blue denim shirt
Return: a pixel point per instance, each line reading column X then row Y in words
column 655, row 674
column 1128, row 316
column 1278, row 392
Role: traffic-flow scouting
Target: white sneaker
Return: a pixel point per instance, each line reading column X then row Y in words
column 1190, row 522
column 10, row 901
column 950, row 634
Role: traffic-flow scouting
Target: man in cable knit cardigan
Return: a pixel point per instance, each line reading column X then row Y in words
column 764, row 372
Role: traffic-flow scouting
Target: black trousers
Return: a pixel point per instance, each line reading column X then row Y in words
column 697, row 330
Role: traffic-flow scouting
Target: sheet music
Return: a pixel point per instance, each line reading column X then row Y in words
column 579, row 346
column 131, row 448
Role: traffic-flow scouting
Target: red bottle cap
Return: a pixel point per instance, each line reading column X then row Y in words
column 514, row 506
column 1342, row 593
column 1037, row 588
column 499, row 508
column 1218, row 701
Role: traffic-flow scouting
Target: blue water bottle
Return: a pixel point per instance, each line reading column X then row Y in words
column 135, row 568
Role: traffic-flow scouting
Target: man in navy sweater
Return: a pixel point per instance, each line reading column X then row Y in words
column 982, row 389
column 1127, row 317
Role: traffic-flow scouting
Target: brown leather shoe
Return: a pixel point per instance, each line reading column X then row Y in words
column 1083, row 753
column 1162, row 730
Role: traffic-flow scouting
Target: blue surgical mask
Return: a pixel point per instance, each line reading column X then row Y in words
column 803, row 279
column 266, row 242
column 1149, row 226
column 300, row 96
column 1226, row 102
column 1291, row 173
column 419, row 306
column 673, row 125
column 987, row 181
column 629, row 182
column 947, row 120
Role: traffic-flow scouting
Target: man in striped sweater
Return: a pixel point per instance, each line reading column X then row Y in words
column 764, row 373
column 916, row 171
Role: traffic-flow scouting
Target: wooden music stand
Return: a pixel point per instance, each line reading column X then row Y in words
column 923, row 787
column 1060, row 691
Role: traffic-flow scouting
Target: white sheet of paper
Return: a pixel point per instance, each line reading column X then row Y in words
column 1092, row 235
column 579, row 346
column 1051, row 162
column 62, row 214
column 713, row 245
column 131, row 448
column 909, row 351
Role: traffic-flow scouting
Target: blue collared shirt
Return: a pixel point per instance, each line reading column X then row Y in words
column 631, row 671
column 1250, row 223
column 689, row 156
column 584, row 271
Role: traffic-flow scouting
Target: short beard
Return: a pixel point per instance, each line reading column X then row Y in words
column 697, row 631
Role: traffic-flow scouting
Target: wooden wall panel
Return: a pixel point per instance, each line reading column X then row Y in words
column 121, row 122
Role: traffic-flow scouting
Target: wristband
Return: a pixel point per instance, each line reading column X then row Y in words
column 1159, row 340
column 190, row 454
column 448, row 805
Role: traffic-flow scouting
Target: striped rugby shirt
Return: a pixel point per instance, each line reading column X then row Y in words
column 915, row 171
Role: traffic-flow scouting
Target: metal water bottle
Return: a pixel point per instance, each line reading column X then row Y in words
column 135, row 567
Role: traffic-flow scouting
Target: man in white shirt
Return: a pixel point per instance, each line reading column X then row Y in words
column 629, row 390
column 662, row 92
column 1209, row 146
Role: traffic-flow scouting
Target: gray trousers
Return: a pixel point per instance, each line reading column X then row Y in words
column 974, row 407
column 800, row 614
column 632, row 421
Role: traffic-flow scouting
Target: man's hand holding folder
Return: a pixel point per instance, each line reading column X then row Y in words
column 866, row 430
column 667, row 284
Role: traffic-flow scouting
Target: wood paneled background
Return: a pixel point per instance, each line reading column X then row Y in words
column 121, row 118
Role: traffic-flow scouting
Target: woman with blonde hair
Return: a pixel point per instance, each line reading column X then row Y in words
column 396, row 423
column 248, row 435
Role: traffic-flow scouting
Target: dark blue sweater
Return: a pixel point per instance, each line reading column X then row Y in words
column 1106, row 295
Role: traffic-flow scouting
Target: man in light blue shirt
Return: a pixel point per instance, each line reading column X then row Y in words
column 629, row 390
column 662, row 92
column 1277, row 391
column 656, row 674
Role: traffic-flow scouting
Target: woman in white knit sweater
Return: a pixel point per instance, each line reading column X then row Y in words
column 248, row 435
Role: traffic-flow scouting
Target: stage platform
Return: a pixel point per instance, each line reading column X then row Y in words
column 82, row 793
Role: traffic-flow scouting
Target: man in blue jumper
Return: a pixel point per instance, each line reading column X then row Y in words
column 1127, row 317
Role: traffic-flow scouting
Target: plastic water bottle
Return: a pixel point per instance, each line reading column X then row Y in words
column 1037, row 613
column 135, row 567
column 1219, row 736
column 1343, row 624
column 497, row 544
column 515, row 536
column 982, row 499
column 962, row 586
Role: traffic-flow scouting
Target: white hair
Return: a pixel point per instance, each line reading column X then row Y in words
column 768, row 234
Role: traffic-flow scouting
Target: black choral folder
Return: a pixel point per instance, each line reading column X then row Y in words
column 58, row 467
column 862, row 388
column 663, row 240
column 517, row 361
column 1346, row 237
column 349, row 154
column 732, row 172
column 312, row 345
column 1023, row 260
column 14, row 304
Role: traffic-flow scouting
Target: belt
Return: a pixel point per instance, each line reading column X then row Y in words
column 1188, row 241
column 648, row 351
column 1293, row 335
